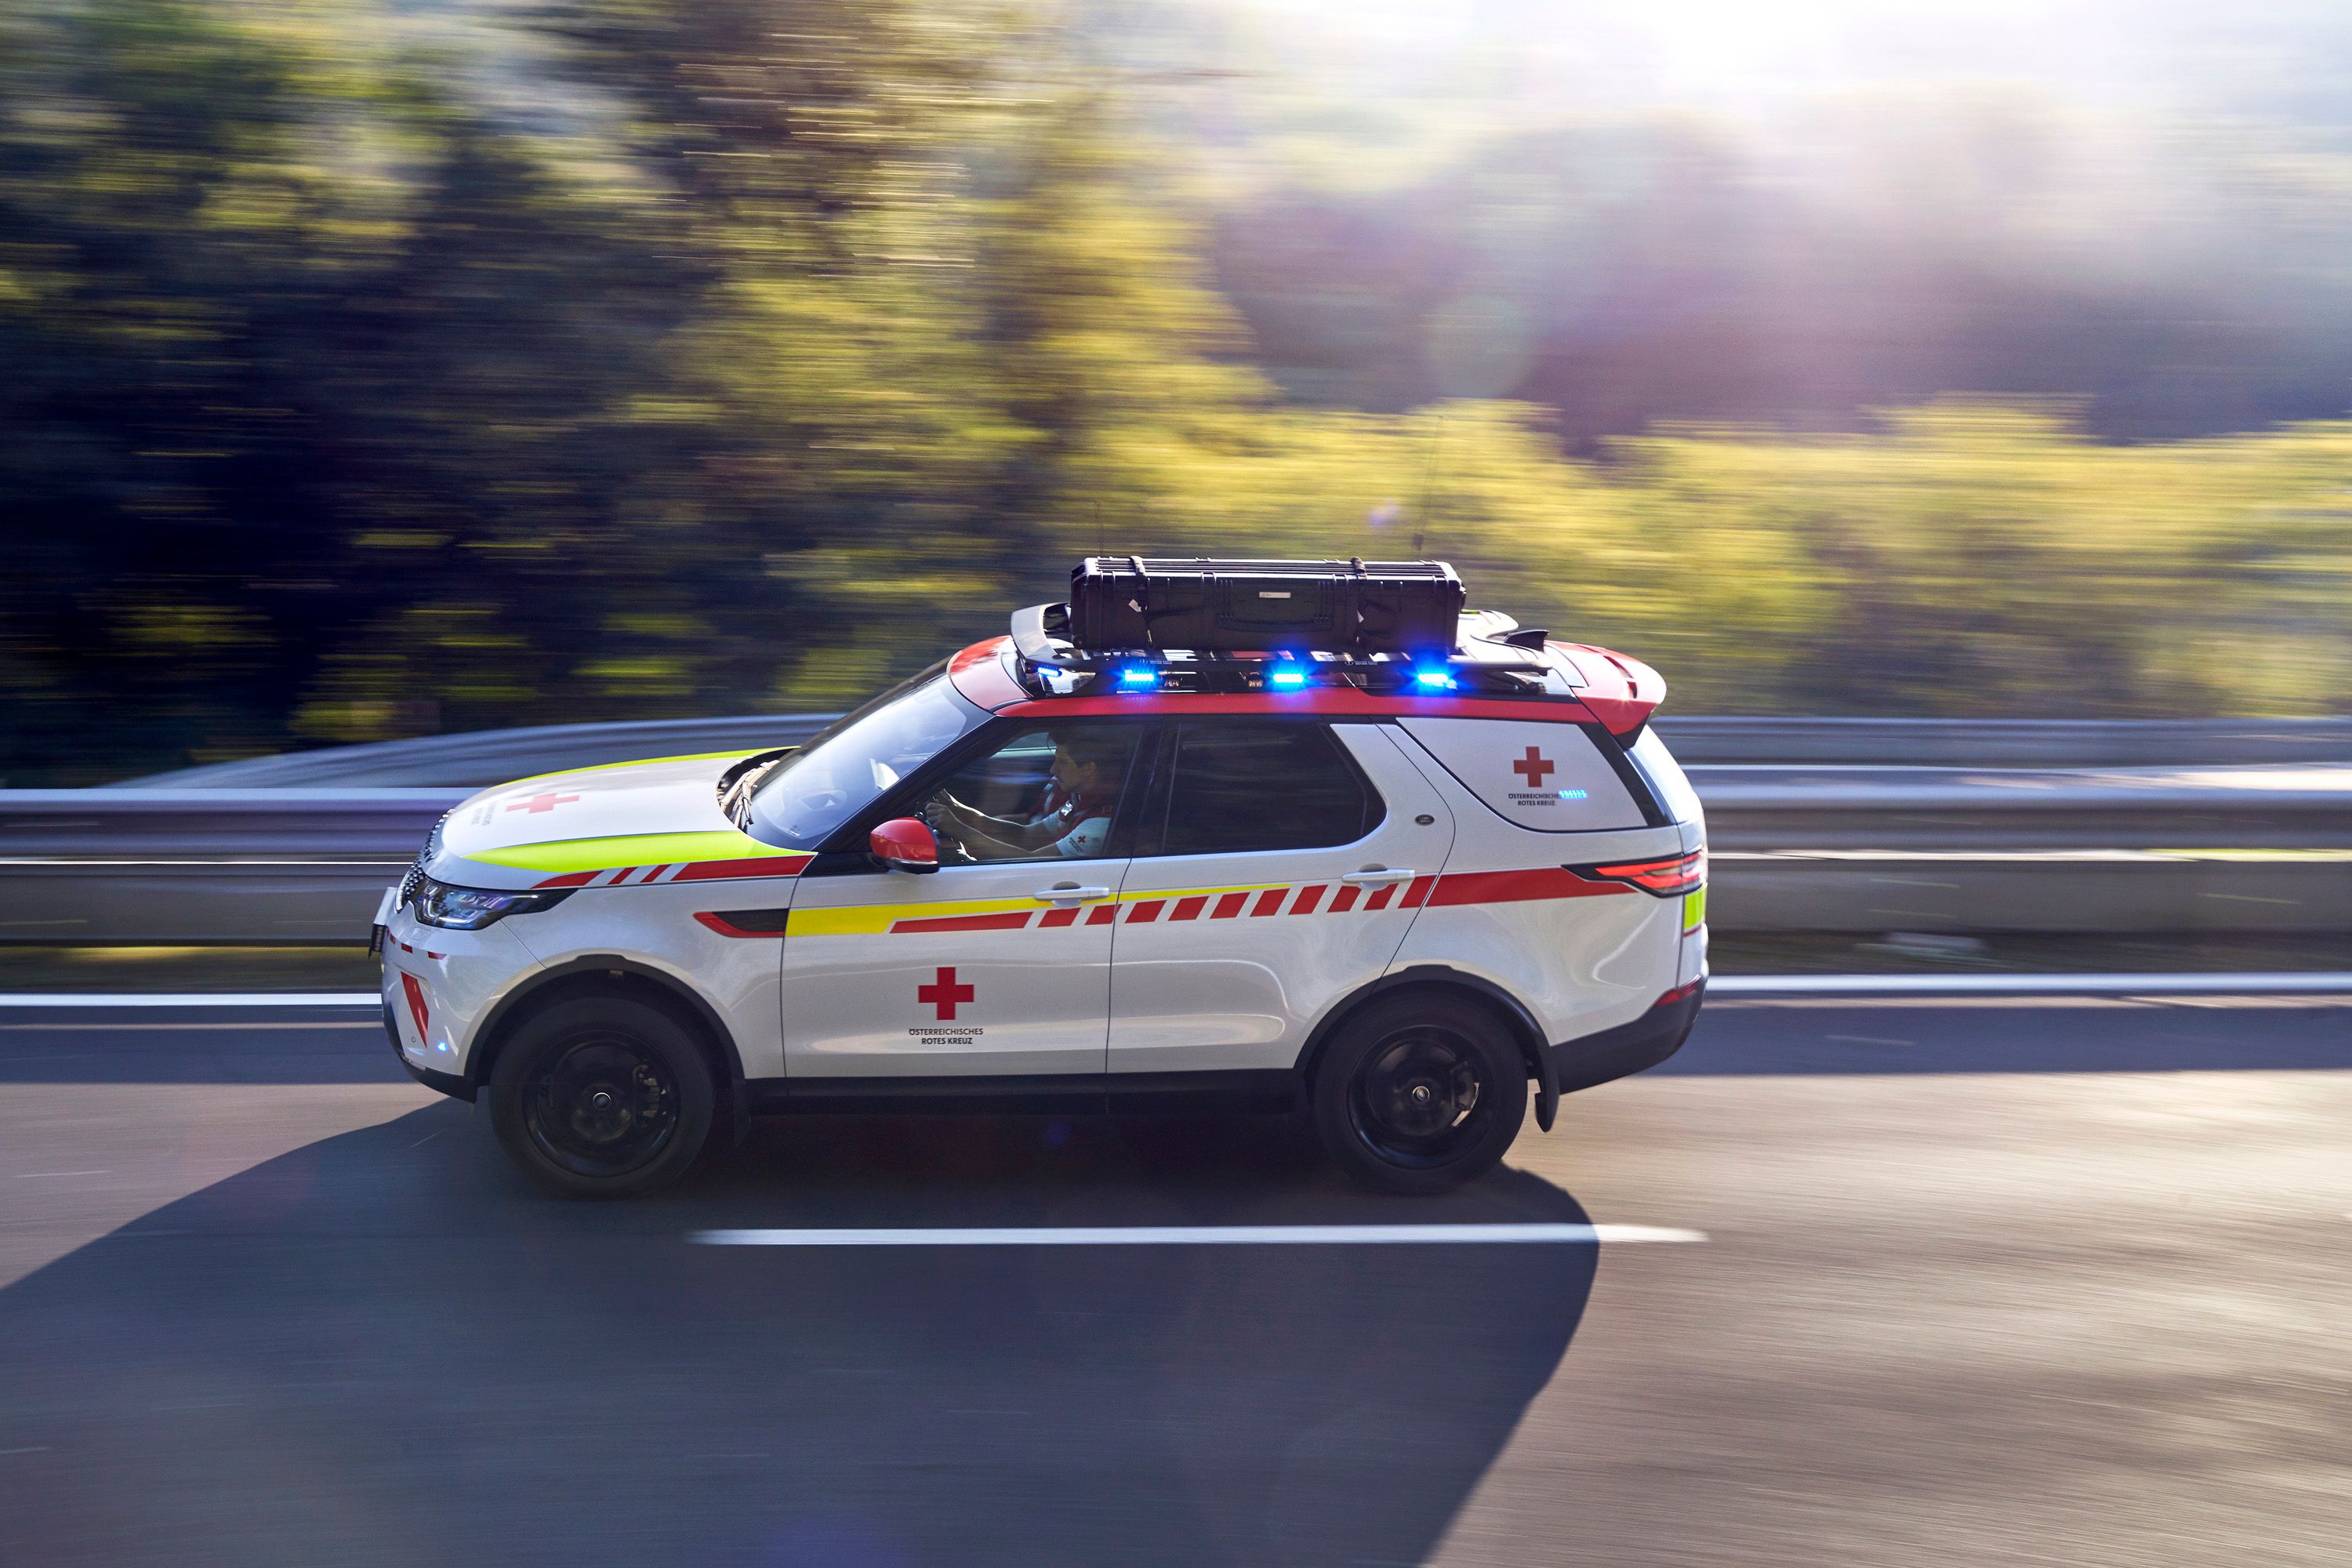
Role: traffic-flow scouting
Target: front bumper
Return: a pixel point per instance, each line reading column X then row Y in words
column 1629, row 1048
column 450, row 1083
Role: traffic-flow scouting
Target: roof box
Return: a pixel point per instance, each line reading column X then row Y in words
column 1120, row 603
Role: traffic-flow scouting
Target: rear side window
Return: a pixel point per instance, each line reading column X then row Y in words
column 1240, row 787
column 1667, row 780
column 1549, row 777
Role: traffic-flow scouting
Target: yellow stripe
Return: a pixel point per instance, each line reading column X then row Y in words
column 1214, row 892
column 871, row 919
column 1694, row 909
column 631, row 849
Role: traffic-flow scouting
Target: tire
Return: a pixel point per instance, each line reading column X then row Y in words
column 602, row 1097
column 1420, row 1094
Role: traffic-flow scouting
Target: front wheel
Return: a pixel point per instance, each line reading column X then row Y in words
column 602, row 1097
column 1420, row 1094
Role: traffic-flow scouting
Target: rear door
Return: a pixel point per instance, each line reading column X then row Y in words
column 999, row 963
column 1280, row 869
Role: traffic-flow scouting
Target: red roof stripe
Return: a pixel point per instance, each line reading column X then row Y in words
column 1331, row 699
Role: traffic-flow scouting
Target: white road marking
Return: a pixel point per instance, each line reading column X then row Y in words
column 1194, row 1236
column 2316, row 983
column 243, row 1026
column 28, row 1175
column 191, row 999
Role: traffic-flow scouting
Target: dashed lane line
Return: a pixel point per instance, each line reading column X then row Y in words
column 1199, row 1236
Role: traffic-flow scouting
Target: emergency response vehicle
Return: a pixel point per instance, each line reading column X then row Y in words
column 1315, row 859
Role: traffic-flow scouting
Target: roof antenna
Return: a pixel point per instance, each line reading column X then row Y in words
column 1421, row 514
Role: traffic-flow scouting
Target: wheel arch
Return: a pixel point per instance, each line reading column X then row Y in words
column 1508, row 1009
column 611, row 973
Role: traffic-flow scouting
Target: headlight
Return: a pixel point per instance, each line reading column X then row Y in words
column 471, row 909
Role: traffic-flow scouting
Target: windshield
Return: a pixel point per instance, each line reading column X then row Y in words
column 838, row 774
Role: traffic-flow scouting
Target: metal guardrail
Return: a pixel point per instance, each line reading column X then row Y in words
column 486, row 757
column 1842, row 849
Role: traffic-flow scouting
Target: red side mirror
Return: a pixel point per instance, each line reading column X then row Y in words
column 905, row 844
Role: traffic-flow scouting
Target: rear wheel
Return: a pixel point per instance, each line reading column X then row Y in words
column 602, row 1097
column 1420, row 1094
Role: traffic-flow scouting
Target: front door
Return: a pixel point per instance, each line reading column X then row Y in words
column 999, row 963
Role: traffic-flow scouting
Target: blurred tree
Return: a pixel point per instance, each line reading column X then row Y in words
column 372, row 370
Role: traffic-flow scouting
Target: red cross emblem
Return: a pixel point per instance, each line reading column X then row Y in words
column 540, row 803
column 943, row 994
column 1532, row 767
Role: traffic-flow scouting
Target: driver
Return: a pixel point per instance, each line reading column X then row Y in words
column 1072, row 818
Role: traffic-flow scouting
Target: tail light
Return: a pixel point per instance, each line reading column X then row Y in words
column 1666, row 878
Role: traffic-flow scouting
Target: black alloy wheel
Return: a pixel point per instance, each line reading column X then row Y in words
column 1416, row 1098
column 601, row 1107
column 602, row 1097
column 1420, row 1093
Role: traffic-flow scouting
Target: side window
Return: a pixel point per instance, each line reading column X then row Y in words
column 1549, row 777
column 1240, row 787
column 1047, row 794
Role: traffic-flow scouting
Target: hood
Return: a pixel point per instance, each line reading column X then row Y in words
column 656, row 821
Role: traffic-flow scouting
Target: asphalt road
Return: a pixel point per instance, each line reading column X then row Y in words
column 2002, row 1282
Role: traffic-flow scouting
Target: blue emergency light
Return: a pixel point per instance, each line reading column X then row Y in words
column 1431, row 678
column 1139, row 678
column 1285, row 678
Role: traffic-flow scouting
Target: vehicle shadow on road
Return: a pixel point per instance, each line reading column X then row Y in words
column 385, row 1348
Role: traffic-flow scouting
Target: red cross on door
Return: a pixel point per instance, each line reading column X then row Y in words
column 540, row 803
column 943, row 994
column 1532, row 767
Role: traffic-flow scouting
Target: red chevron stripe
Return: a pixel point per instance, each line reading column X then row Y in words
column 1144, row 911
column 1061, row 917
column 1229, row 906
column 1308, row 897
column 1189, row 909
column 1345, row 900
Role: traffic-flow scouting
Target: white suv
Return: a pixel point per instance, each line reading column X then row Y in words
column 1392, row 892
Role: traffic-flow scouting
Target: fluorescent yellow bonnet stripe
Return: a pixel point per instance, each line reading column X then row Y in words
column 630, row 850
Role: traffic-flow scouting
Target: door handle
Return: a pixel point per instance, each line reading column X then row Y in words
column 1377, row 877
column 1069, row 893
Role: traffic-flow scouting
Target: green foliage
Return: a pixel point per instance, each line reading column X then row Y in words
column 369, row 374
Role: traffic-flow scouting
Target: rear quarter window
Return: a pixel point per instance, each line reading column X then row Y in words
column 1667, row 780
column 1550, row 778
